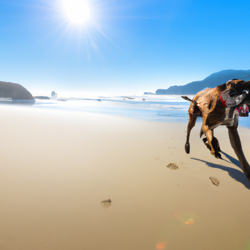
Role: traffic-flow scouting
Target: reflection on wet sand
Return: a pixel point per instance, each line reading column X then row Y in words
column 161, row 245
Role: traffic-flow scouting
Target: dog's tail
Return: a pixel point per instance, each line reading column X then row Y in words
column 194, row 102
column 187, row 99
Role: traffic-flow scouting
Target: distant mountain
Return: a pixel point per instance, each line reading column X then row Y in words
column 210, row 82
column 16, row 92
column 148, row 93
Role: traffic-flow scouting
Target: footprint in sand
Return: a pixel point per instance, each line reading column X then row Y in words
column 172, row 166
column 106, row 203
column 214, row 181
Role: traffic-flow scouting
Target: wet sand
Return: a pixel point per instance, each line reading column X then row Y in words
column 57, row 168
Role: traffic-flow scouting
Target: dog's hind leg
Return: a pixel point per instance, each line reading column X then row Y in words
column 213, row 143
column 206, row 143
column 216, row 144
column 191, row 124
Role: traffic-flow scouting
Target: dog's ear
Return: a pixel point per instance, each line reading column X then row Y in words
column 230, row 84
column 237, row 81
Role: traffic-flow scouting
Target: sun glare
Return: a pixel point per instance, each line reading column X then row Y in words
column 77, row 11
column 85, row 22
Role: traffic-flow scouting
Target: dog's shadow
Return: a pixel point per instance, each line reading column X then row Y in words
column 234, row 173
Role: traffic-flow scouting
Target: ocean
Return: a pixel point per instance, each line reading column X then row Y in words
column 150, row 108
column 165, row 108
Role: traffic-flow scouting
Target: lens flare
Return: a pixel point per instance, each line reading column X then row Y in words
column 189, row 222
column 161, row 245
column 186, row 218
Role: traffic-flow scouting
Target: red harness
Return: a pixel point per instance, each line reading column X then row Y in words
column 222, row 101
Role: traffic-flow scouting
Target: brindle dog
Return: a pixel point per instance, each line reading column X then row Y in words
column 210, row 105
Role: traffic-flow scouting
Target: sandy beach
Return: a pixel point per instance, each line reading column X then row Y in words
column 57, row 167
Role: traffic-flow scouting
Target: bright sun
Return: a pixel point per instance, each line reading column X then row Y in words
column 77, row 11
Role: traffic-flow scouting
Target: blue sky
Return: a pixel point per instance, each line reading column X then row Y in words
column 125, row 47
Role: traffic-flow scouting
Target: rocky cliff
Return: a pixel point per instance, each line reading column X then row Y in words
column 211, row 81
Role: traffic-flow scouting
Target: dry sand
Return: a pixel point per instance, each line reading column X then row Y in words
column 57, row 167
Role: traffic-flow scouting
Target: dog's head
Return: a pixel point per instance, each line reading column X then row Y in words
column 233, row 86
column 237, row 86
